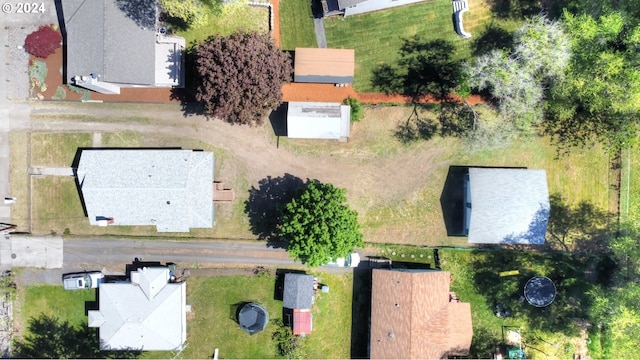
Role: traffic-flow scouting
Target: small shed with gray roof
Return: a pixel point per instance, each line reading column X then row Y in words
column 171, row 189
column 318, row 120
column 112, row 44
column 506, row 206
column 298, row 291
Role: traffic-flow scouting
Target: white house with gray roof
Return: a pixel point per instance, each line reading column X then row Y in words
column 147, row 313
column 171, row 189
column 111, row 44
column 506, row 206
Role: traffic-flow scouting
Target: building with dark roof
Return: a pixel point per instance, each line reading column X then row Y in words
column 414, row 315
column 171, row 189
column 506, row 206
column 297, row 301
column 112, row 44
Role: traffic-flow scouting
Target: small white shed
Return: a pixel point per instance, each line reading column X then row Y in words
column 318, row 120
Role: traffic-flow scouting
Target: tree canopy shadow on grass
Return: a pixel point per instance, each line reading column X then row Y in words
column 265, row 203
column 492, row 38
column 567, row 271
column 515, row 9
column 582, row 227
column 51, row 338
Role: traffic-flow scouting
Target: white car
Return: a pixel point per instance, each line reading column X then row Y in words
column 352, row 260
column 84, row 280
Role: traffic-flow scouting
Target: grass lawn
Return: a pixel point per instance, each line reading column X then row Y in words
column 232, row 17
column 630, row 186
column 547, row 332
column 296, row 25
column 36, row 300
column 57, row 149
column 377, row 37
column 19, row 143
column 212, row 322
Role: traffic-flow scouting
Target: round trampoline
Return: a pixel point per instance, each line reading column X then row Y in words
column 540, row 291
column 253, row 318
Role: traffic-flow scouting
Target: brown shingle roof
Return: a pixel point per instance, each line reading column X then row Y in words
column 412, row 316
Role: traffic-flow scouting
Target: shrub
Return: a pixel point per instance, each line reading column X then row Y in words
column 43, row 42
column 356, row 108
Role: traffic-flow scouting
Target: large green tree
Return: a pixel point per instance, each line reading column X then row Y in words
column 319, row 226
column 517, row 78
column 240, row 76
column 599, row 98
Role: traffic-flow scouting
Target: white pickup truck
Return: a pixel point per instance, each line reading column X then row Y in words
column 83, row 280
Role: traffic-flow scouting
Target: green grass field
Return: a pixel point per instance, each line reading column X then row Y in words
column 212, row 322
column 233, row 17
column 377, row 37
column 630, row 186
column 296, row 25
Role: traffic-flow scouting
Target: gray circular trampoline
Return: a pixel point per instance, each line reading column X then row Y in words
column 253, row 318
column 540, row 291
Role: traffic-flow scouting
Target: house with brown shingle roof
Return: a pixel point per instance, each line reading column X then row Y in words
column 414, row 315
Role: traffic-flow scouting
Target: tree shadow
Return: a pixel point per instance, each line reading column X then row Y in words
column 51, row 338
column 456, row 119
column 493, row 38
column 265, row 203
column 504, row 294
column 581, row 227
column 515, row 9
column 142, row 12
column 416, row 127
column 483, row 343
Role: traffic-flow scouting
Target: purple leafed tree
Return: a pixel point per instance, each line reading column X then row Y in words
column 240, row 76
column 43, row 42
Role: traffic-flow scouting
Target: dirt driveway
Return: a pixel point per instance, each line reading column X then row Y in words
column 373, row 167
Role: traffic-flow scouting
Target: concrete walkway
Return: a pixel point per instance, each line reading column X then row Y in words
column 50, row 171
column 318, row 24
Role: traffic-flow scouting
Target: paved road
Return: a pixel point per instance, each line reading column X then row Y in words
column 111, row 255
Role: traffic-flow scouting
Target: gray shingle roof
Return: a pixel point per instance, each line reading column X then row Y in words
column 129, row 319
column 508, row 206
column 343, row 4
column 171, row 189
column 298, row 291
column 113, row 38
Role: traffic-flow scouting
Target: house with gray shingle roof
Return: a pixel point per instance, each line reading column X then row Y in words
column 146, row 313
column 111, row 44
column 414, row 315
column 171, row 189
column 506, row 206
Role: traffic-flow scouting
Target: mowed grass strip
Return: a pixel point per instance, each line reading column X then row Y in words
column 19, row 178
column 296, row 25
